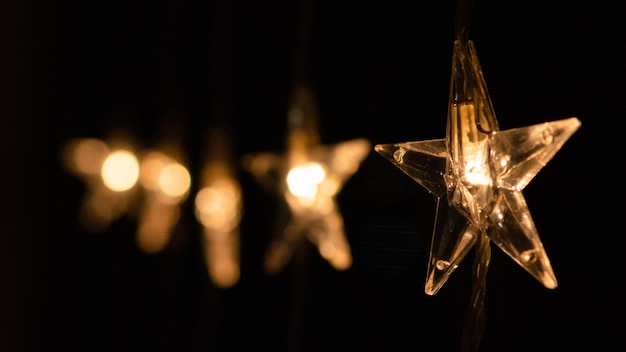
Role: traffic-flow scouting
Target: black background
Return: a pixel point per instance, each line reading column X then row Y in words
column 380, row 70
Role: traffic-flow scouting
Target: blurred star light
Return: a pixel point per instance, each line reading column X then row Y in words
column 166, row 183
column 308, row 176
column 111, row 176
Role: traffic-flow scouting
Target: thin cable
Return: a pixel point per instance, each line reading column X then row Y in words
column 462, row 20
column 475, row 320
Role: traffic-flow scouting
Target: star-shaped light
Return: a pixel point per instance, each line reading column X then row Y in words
column 151, row 185
column 477, row 174
column 308, row 176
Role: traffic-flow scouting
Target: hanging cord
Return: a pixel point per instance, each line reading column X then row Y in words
column 304, row 33
column 462, row 20
column 475, row 319
column 461, row 34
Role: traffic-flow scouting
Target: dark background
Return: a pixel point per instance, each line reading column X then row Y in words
column 380, row 70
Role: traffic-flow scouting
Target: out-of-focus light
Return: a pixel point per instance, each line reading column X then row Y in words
column 174, row 180
column 152, row 239
column 303, row 181
column 154, row 231
column 226, row 273
column 88, row 154
column 120, row 170
column 152, row 165
column 315, row 176
column 222, row 257
column 218, row 205
column 340, row 259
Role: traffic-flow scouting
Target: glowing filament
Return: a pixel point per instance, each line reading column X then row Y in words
column 476, row 173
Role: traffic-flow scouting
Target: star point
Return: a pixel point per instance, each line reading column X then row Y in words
column 308, row 176
column 477, row 174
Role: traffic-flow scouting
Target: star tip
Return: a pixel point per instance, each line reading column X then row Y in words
column 578, row 122
column 382, row 148
column 431, row 289
column 550, row 282
column 574, row 119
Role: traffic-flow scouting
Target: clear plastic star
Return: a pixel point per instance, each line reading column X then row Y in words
column 308, row 176
column 477, row 174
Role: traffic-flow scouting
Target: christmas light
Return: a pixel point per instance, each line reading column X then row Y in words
column 308, row 176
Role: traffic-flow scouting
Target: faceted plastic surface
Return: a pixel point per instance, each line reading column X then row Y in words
column 477, row 174
column 308, row 176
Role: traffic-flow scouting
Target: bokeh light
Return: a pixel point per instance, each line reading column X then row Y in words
column 120, row 170
column 174, row 180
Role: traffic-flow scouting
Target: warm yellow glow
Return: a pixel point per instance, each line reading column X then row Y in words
column 221, row 257
column 151, row 166
column 472, row 151
column 476, row 173
column 341, row 260
column 217, row 206
column 225, row 274
column 330, row 186
column 88, row 155
column 155, row 226
column 331, row 242
column 174, row 180
column 120, row 170
column 152, row 238
column 346, row 153
column 328, row 249
column 303, row 181
column 338, row 254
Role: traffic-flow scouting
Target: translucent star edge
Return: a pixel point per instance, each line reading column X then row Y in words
column 506, row 160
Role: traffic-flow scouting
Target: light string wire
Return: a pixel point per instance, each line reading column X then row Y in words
column 301, row 74
column 475, row 320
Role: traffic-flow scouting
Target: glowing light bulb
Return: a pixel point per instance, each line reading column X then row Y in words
column 120, row 170
column 303, row 180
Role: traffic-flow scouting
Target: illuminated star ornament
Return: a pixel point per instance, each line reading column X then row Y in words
column 150, row 185
column 477, row 174
column 308, row 176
